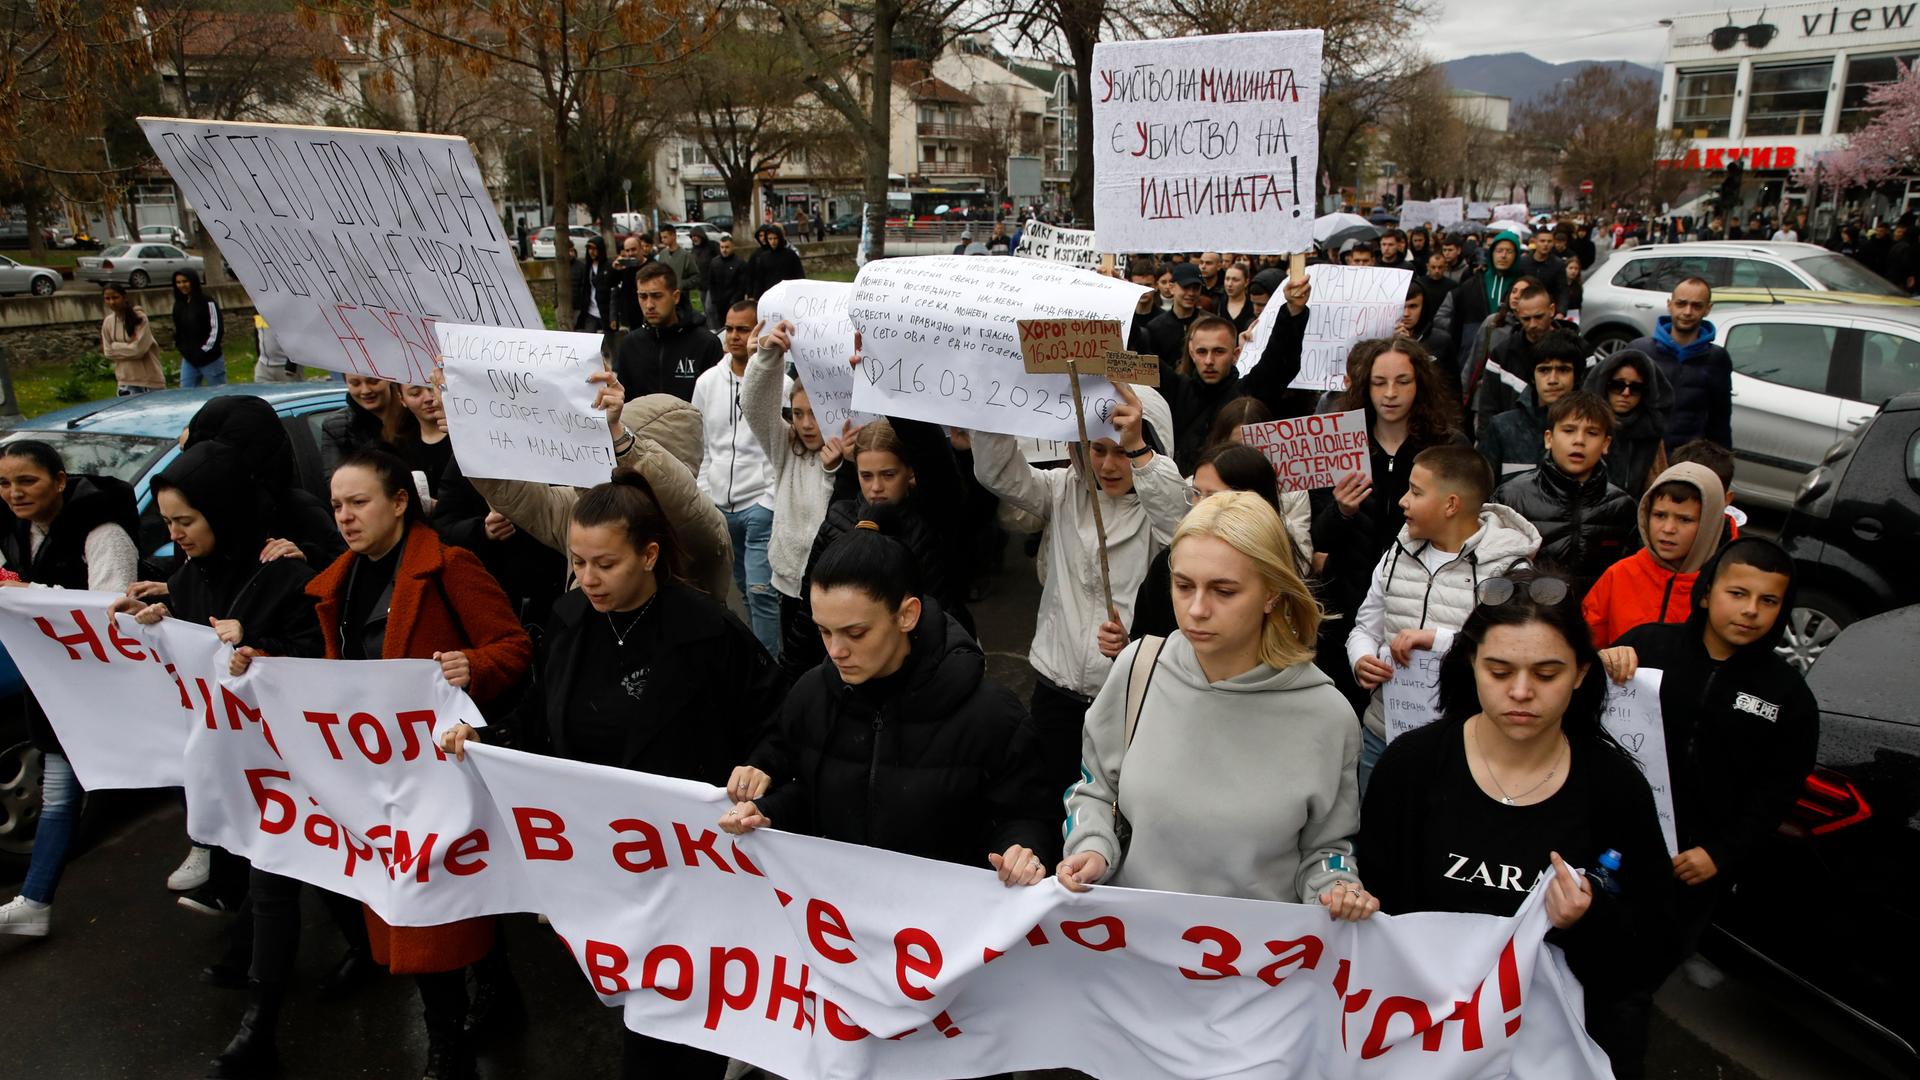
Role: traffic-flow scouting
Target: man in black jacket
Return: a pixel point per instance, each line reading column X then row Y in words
column 1741, row 726
column 593, row 289
column 634, row 254
column 726, row 276
column 667, row 353
column 1168, row 330
column 772, row 264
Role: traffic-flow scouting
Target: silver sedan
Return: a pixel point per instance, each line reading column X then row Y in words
column 138, row 265
column 17, row 277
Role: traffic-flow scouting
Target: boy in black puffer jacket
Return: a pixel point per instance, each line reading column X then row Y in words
column 1586, row 524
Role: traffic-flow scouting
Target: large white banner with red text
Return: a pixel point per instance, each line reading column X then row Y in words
column 805, row 956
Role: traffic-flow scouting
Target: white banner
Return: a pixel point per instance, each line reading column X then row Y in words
column 1449, row 211
column 1634, row 719
column 1510, row 212
column 351, row 243
column 818, row 959
column 822, row 344
column 1054, row 243
column 1479, row 211
column 519, row 406
column 1207, row 142
column 1415, row 212
column 939, row 342
column 1350, row 304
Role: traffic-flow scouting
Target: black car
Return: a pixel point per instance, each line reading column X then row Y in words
column 1834, row 905
column 1849, row 532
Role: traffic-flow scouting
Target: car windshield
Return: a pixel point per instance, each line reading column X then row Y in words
column 1841, row 274
column 115, row 250
column 126, row 457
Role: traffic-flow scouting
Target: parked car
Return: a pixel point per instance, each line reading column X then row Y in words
column 162, row 234
column 137, row 265
column 1803, row 376
column 845, row 223
column 1626, row 292
column 1853, row 825
column 18, row 277
column 13, row 234
column 131, row 438
column 542, row 245
column 1851, row 530
column 686, row 229
column 723, row 222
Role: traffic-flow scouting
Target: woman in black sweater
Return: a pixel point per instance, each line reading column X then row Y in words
column 1517, row 782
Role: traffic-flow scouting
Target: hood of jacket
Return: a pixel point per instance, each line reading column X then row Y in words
column 943, row 668
column 1158, row 416
column 669, row 421
column 1663, row 337
column 1648, row 420
column 251, row 426
column 90, row 502
column 1184, row 666
column 1713, row 515
column 1503, row 534
column 213, row 478
column 1703, row 588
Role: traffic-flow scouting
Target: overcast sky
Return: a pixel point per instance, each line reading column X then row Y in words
column 1558, row 30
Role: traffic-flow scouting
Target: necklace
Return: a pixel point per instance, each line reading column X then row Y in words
column 1513, row 800
column 620, row 639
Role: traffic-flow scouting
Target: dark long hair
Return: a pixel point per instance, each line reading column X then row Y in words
column 628, row 500
column 1431, row 421
column 872, row 559
column 1460, row 693
column 1243, row 468
column 1235, row 414
column 131, row 318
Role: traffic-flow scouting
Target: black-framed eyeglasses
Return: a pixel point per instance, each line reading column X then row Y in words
column 1545, row 591
column 1625, row 386
column 1759, row 35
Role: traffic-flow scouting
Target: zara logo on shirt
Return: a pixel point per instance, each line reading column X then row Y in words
column 1493, row 876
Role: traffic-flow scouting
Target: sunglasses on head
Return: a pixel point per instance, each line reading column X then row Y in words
column 1545, row 591
column 1625, row 386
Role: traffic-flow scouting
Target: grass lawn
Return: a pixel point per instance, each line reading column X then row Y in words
column 56, row 258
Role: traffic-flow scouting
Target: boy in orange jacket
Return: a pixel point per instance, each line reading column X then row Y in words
column 1682, row 518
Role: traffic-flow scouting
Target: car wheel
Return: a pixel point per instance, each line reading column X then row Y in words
column 138, row 279
column 1609, row 341
column 19, row 801
column 1816, row 619
column 43, row 286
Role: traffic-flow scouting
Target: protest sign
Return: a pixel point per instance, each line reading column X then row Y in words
column 1050, row 346
column 1449, row 211
column 1315, row 451
column 1416, row 212
column 1411, row 699
column 1054, row 243
column 822, row 345
column 1043, row 451
column 1207, row 142
column 1350, row 304
column 939, row 341
column 519, row 406
column 1479, row 211
column 1510, row 212
column 1634, row 720
column 351, row 243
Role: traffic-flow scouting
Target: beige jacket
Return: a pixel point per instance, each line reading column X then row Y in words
column 136, row 358
column 666, row 450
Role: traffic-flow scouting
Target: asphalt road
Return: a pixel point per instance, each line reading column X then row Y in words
column 115, row 991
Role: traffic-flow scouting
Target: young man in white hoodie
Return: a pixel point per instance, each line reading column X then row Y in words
column 735, row 472
column 1424, row 586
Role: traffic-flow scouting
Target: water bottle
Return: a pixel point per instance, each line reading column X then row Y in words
column 1605, row 874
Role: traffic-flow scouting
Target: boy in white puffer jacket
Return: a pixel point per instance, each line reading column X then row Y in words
column 1424, row 586
column 1142, row 500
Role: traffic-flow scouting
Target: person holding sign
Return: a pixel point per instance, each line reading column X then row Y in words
column 1741, row 726
column 1422, row 590
column 1231, row 707
column 1142, row 500
column 1208, row 377
column 1518, row 782
column 735, row 472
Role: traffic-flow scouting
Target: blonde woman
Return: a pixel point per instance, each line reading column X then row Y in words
column 1238, row 777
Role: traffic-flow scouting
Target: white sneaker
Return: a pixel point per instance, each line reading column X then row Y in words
column 26, row 918
column 1701, row 972
column 192, row 873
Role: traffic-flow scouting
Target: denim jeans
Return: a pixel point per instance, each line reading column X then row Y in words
column 1371, row 747
column 59, row 818
column 213, row 373
column 750, row 530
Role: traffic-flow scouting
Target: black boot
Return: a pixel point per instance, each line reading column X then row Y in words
column 252, row 1053
column 443, row 995
column 355, row 969
column 497, row 1007
column 449, row 1056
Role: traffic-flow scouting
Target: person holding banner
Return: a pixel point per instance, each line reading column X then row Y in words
column 1232, row 705
column 1517, row 781
column 69, row 532
column 1142, row 499
column 398, row 591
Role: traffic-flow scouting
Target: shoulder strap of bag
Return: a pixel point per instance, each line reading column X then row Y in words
column 1139, row 677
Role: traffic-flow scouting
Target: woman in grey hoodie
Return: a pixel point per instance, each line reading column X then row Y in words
column 1236, row 778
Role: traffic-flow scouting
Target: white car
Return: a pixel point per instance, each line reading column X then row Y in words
column 163, row 234
column 542, row 245
column 18, row 277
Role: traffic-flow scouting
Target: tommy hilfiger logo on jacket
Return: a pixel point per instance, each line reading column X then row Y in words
column 1765, row 710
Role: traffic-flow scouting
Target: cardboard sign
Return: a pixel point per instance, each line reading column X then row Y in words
column 1207, row 142
column 1310, row 452
column 1411, row 699
column 1634, row 719
column 351, row 243
column 822, row 344
column 519, row 406
column 1047, row 345
column 1053, row 243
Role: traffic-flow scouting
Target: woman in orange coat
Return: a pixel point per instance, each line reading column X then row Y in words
column 399, row 592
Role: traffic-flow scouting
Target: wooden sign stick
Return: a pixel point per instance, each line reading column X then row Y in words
column 1093, row 487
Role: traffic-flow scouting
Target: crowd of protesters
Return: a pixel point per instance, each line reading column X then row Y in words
column 1543, row 519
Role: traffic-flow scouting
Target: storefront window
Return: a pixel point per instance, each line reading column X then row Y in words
column 1789, row 99
column 1863, row 73
column 1703, row 104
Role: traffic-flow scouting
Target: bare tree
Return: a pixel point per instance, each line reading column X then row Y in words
column 246, row 62
column 1425, row 134
column 1078, row 25
column 1601, row 127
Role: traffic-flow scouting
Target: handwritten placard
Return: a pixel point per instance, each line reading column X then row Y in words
column 519, row 406
column 1207, row 142
column 1510, row 212
column 1315, row 451
column 1634, row 720
column 1350, row 304
column 351, row 243
column 1047, row 346
column 1054, row 243
column 1479, row 211
column 1415, row 213
column 822, row 344
column 1411, row 699
column 1043, row 451
column 1449, row 211
column 940, row 341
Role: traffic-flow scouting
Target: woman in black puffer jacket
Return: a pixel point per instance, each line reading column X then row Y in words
column 1638, row 452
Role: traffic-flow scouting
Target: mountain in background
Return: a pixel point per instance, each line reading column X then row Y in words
column 1522, row 77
